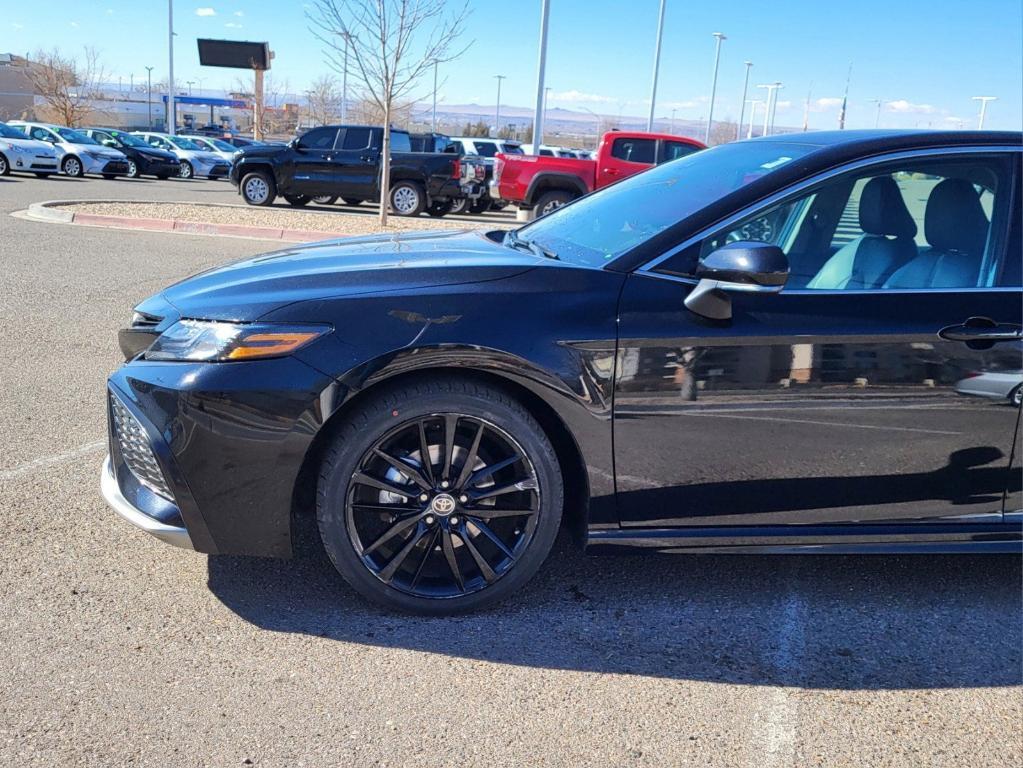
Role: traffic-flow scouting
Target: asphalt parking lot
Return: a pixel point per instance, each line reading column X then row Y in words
column 119, row 650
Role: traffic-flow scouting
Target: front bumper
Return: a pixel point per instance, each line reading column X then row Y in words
column 160, row 167
column 115, row 499
column 215, row 171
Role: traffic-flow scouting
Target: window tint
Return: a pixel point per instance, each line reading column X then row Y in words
column 485, row 148
column 546, row 153
column 512, row 149
column 917, row 224
column 318, row 138
column 42, row 134
column 357, row 138
column 400, row 142
column 634, row 150
column 672, row 150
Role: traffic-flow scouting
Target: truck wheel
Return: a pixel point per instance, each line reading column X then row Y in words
column 352, row 201
column 458, row 206
column 439, row 209
column 407, row 198
column 297, row 200
column 551, row 201
column 258, row 188
column 482, row 205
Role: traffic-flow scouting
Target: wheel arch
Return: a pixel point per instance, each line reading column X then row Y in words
column 540, row 406
column 551, row 182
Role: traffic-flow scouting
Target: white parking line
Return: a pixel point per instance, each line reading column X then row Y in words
column 49, row 461
column 778, row 723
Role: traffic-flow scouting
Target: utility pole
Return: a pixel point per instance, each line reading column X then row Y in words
column 433, row 121
column 714, row 84
column 742, row 108
column 344, row 88
column 752, row 115
column 806, row 109
column 983, row 108
column 877, row 115
column 541, row 66
column 172, row 113
column 189, row 84
column 149, row 95
column 497, row 116
column 657, row 64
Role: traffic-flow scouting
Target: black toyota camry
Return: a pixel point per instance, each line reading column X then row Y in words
column 763, row 347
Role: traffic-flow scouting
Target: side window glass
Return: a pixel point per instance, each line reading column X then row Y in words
column 486, row 148
column 634, row 150
column 927, row 223
column 673, row 150
column 318, row 138
column 356, row 138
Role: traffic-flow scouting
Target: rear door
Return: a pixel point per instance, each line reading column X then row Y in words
column 627, row 155
column 312, row 163
column 356, row 164
column 846, row 397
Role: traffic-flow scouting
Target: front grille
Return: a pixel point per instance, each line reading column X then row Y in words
column 133, row 443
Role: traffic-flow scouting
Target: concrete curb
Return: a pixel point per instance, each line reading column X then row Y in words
column 51, row 211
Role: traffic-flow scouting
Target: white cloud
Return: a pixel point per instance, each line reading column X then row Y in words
column 239, row 14
column 786, row 104
column 110, row 11
column 828, row 102
column 16, row 25
column 205, row 12
column 232, row 25
column 908, row 108
column 688, row 104
column 580, row 97
column 74, row 24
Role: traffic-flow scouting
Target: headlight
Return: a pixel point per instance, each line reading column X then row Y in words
column 197, row 340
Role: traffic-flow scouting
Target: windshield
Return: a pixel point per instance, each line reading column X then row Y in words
column 7, row 132
column 128, row 140
column 512, row 149
column 74, row 137
column 181, row 143
column 598, row 228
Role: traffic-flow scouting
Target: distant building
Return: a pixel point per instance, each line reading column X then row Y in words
column 16, row 97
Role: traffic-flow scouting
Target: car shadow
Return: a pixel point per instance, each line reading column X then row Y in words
column 838, row 622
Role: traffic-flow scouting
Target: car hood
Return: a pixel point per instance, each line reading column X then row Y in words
column 265, row 150
column 248, row 290
column 99, row 149
column 31, row 144
column 156, row 152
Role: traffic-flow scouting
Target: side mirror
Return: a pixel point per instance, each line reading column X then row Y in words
column 741, row 267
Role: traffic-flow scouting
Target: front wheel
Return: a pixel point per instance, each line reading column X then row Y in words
column 185, row 170
column 459, row 205
column 439, row 496
column 258, row 189
column 72, row 166
column 407, row 198
column 5, row 168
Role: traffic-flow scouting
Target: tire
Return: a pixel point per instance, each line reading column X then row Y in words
column 424, row 580
column 5, row 167
column 185, row 170
column 72, row 166
column 482, row 205
column 352, row 201
column 551, row 201
column 43, row 175
column 459, row 206
column 258, row 188
column 1016, row 396
column 325, row 199
column 133, row 170
column 407, row 198
column 298, row 201
column 438, row 210
column 109, row 176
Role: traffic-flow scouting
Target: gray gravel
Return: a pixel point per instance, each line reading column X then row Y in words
column 118, row 650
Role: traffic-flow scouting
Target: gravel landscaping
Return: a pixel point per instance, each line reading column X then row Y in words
column 348, row 222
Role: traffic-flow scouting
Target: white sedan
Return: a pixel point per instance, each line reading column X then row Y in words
column 22, row 154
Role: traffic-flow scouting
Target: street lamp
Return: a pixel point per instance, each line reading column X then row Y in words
column 742, row 108
column 983, row 108
column 546, row 93
column 149, row 95
column 752, row 115
column 189, row 84
column 877, row 115
column 771, row 88
column 497, row 116
column 774, row 107
column 714, row 84
column 171, row 120
column 657, row 64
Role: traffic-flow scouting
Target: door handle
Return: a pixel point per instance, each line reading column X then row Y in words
column 982, row 332
column 611, row 171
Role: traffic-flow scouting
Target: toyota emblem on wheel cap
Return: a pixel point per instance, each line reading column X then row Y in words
column 443, row 504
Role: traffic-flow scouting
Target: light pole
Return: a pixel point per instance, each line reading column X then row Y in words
column 657, row 64
column 433, row 121
column 742, row 108
column 171, row 111
column 714, row 84
column 771, row 88
column 497, row 116
column 672, row 128
column 545, row 10
column 752, row 115
column 983, row 109
column 774, row 105
column 189, row 84
column 149, row 95
column 600, row 120
column 877, row 115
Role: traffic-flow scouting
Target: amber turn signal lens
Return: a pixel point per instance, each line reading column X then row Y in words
column 266, row 344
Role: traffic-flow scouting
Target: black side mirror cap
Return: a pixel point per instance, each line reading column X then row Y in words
column 744, row 267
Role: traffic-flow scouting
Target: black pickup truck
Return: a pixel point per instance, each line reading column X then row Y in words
column 343, row 161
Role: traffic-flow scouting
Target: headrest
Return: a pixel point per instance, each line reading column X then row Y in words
column 954, row 219
column 883, row 211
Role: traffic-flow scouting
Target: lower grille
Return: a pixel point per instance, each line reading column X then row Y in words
column 133, row 443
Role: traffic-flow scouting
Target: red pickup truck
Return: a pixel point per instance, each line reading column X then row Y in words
column 546, row 183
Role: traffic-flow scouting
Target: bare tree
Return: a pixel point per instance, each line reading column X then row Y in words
column 274, row 118
column 324, row 100
column 69, row 87
column 391, row 44
column 367, row 111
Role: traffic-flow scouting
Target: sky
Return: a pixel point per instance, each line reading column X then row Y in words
column 923, row 60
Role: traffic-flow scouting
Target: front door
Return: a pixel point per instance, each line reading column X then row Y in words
column 312, row 169
column 628, row 156
column 837, row 400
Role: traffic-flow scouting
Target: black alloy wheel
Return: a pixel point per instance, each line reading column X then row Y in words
column 459, row 205
column 440, row 497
